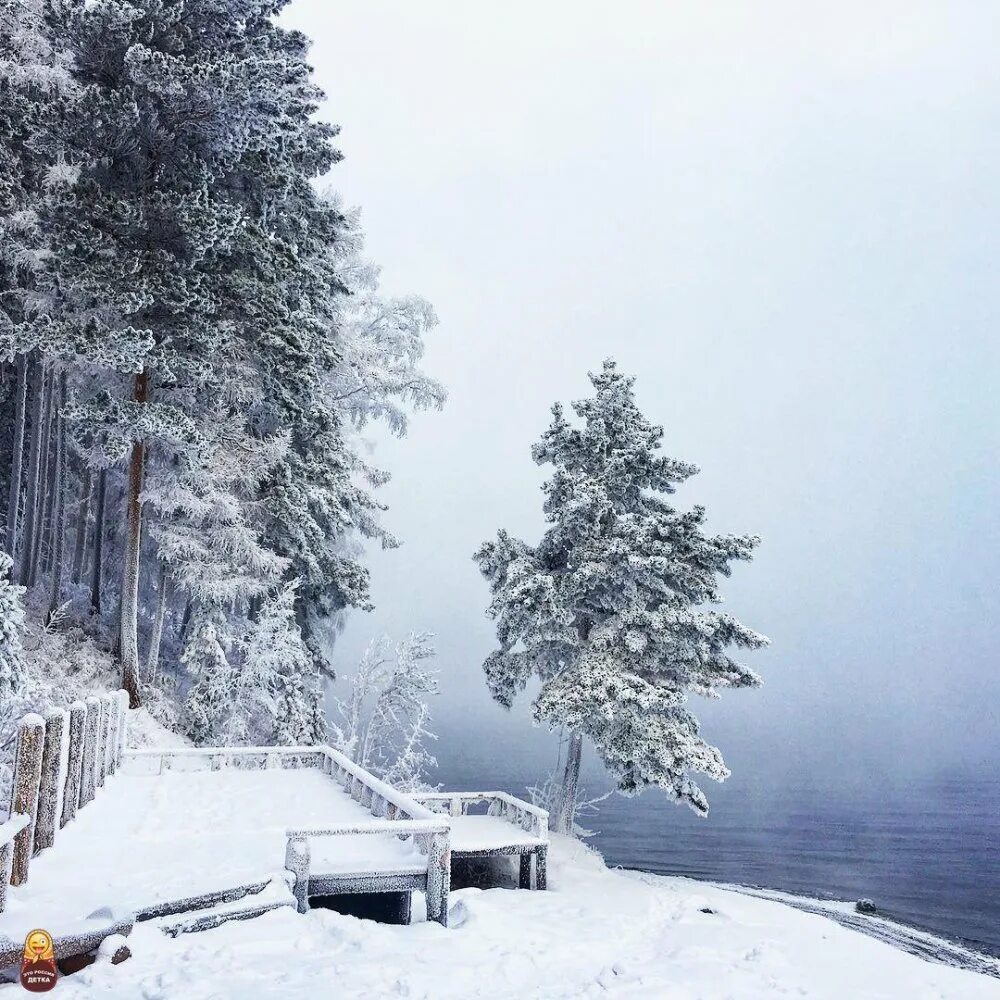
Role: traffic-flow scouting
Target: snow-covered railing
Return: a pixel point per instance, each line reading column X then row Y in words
column 393, row 811
column 522, row 814
column 157, row 760
column 61, row 760
column 430, row 836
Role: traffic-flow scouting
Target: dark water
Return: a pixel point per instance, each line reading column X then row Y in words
column 927, row 851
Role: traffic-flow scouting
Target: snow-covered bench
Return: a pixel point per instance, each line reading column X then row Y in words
column 510, row 826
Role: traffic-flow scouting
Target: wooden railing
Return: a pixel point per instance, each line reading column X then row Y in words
column 522, row 814
column 89, row 739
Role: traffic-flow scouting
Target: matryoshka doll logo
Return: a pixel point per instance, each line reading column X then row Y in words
column 38, row 967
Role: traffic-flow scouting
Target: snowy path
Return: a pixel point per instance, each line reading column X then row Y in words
column 597, row 933
column 148, row 839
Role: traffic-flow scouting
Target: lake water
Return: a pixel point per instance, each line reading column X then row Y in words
column 926, row 850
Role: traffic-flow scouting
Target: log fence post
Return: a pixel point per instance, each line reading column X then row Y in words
column 111, row 753
column 123, row 730
column 74, row 761
column 103, row 736
column 6, row 859
column 90, row 737
column 51, row 779
column 24, row 795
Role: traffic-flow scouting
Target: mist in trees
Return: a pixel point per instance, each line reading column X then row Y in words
column 191, row 342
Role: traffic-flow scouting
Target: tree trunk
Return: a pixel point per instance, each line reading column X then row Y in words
column 566, row 812
column 130, row 572
column 45, row 476
column 97, row 569
column 82, row 521
column 185, row 621
column 59, row 504
column 34, row 470
column 17, row 456
column 153, row 660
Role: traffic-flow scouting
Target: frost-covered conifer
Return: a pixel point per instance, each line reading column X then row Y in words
column 278, row 675
column 612, row 609
column 11, row 624
column 207, row 706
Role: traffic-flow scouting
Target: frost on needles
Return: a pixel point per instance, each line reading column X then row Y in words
column 613, row 609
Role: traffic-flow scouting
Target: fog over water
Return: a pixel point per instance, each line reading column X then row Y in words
column 787, row 225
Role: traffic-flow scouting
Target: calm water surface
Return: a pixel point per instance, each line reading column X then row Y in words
column 927, row 851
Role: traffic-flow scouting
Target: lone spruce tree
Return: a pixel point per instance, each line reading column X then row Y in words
column 611, row 611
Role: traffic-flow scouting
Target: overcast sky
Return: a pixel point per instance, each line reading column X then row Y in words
column 786, row 224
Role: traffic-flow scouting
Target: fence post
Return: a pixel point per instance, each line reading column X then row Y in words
column 51, row 783
column 90, row 735
column 123, row 730
column 111, row 751
column 297, row 862
column 107, row 754
column 438, row 877
column 6, row 856
column 74, row 761
column 102, row 740
column 24, row 797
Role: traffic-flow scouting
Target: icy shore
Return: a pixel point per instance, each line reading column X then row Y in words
column 596, row 933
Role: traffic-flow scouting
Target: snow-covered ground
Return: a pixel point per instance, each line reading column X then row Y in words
column 596, row 933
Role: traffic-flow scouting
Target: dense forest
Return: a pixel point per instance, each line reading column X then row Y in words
column 191, row 340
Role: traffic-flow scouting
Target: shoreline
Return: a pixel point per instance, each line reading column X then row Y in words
column 928, row 945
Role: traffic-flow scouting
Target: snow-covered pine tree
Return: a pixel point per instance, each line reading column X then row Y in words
column 196, row 319
column 279, row 686
column 611, row 609
column 11, row 624
column 206, row 708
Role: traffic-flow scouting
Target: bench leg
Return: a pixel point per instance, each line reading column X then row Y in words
column 525, row 879
column 541, row 867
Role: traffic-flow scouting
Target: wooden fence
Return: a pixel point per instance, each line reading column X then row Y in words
column 62, row 759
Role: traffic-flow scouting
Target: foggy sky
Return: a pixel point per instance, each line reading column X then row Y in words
column 786, row 224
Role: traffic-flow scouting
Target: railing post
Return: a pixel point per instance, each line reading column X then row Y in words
column 104, row 740
column 123, row 730
column 456, row 806
column 49, row 785
column 74, row 762
column 541, row 867
column 297, row 862
column 111, row 754
column 90, row 737
column 438, row 877
column 6, row 857
column 24, row 797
